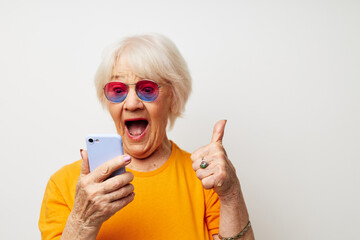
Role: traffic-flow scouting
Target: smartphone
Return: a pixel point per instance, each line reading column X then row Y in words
column 102, row 148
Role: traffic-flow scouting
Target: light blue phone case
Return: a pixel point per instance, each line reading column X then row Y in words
column 104, row 147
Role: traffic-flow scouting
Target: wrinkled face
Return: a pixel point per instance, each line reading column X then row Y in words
column 142, row 125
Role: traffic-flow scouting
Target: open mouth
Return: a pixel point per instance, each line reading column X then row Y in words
column 136, row 127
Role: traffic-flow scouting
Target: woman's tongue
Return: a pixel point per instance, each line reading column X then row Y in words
column 136, row 128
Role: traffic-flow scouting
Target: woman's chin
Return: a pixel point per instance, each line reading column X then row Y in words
column 137, row 150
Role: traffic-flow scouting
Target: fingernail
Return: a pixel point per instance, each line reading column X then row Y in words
column 127, row 158
column 81, row 152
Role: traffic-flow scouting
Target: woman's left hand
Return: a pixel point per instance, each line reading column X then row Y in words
column 220, row 174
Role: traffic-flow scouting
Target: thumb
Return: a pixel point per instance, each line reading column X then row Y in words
column 218, row 132
column 85, row 169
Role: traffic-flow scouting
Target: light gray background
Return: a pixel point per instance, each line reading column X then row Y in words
column 284, row 73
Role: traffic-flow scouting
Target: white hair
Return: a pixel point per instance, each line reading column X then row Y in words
column 152, row 56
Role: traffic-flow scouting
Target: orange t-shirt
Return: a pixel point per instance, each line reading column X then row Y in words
column 170, row 203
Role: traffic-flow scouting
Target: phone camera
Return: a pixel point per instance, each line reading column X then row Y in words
column 91, row 140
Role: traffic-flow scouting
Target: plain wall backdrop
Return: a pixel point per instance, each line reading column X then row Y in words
column 285, row 74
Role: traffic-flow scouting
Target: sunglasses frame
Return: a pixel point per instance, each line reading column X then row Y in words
column 127, row 89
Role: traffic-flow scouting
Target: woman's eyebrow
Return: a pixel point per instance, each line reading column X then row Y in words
column 117, row 77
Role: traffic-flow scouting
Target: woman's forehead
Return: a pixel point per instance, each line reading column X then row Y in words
column 123, row 76
column 121, row 65
column 127, row 68
column 122, row 70
column 124, row 73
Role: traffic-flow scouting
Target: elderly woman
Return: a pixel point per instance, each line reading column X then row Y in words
column 144, row 82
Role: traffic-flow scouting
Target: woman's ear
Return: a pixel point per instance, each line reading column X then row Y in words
column 173, row 103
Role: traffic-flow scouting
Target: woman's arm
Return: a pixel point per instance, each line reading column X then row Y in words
column 234, row 216
column 220, row 175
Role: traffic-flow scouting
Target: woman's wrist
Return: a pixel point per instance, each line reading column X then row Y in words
column 234, row 205
column 75, row 228
column 234, row 216
column 239, row 235
column 232, row 196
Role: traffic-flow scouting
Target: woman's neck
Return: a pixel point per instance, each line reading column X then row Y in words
column 154, row 161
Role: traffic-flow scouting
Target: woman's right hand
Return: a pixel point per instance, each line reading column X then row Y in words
column 98, row 197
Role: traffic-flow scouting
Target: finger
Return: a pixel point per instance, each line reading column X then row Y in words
column 208, row 182
column 216, row 153
column 204, row 173
column 119, row 204
column 121, row 193
column 196, row 164
column 85, row 169
column 218, row 132
column 117, row 182
column 106, row 169
column 200, row 153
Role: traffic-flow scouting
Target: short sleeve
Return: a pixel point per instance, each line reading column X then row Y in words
column 58, row 201
column 54, row 213
column 212, row 213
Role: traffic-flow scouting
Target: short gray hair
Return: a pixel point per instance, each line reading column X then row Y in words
column 152, row 56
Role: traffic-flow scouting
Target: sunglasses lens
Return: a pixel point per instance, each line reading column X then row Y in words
column 115, row 91
column 147, row 90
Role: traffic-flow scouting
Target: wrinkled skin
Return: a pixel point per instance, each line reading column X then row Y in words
column 98, row 197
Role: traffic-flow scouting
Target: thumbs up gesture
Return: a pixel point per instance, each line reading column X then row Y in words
column 213, row 167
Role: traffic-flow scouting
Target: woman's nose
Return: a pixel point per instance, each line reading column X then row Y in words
column 132, row 101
